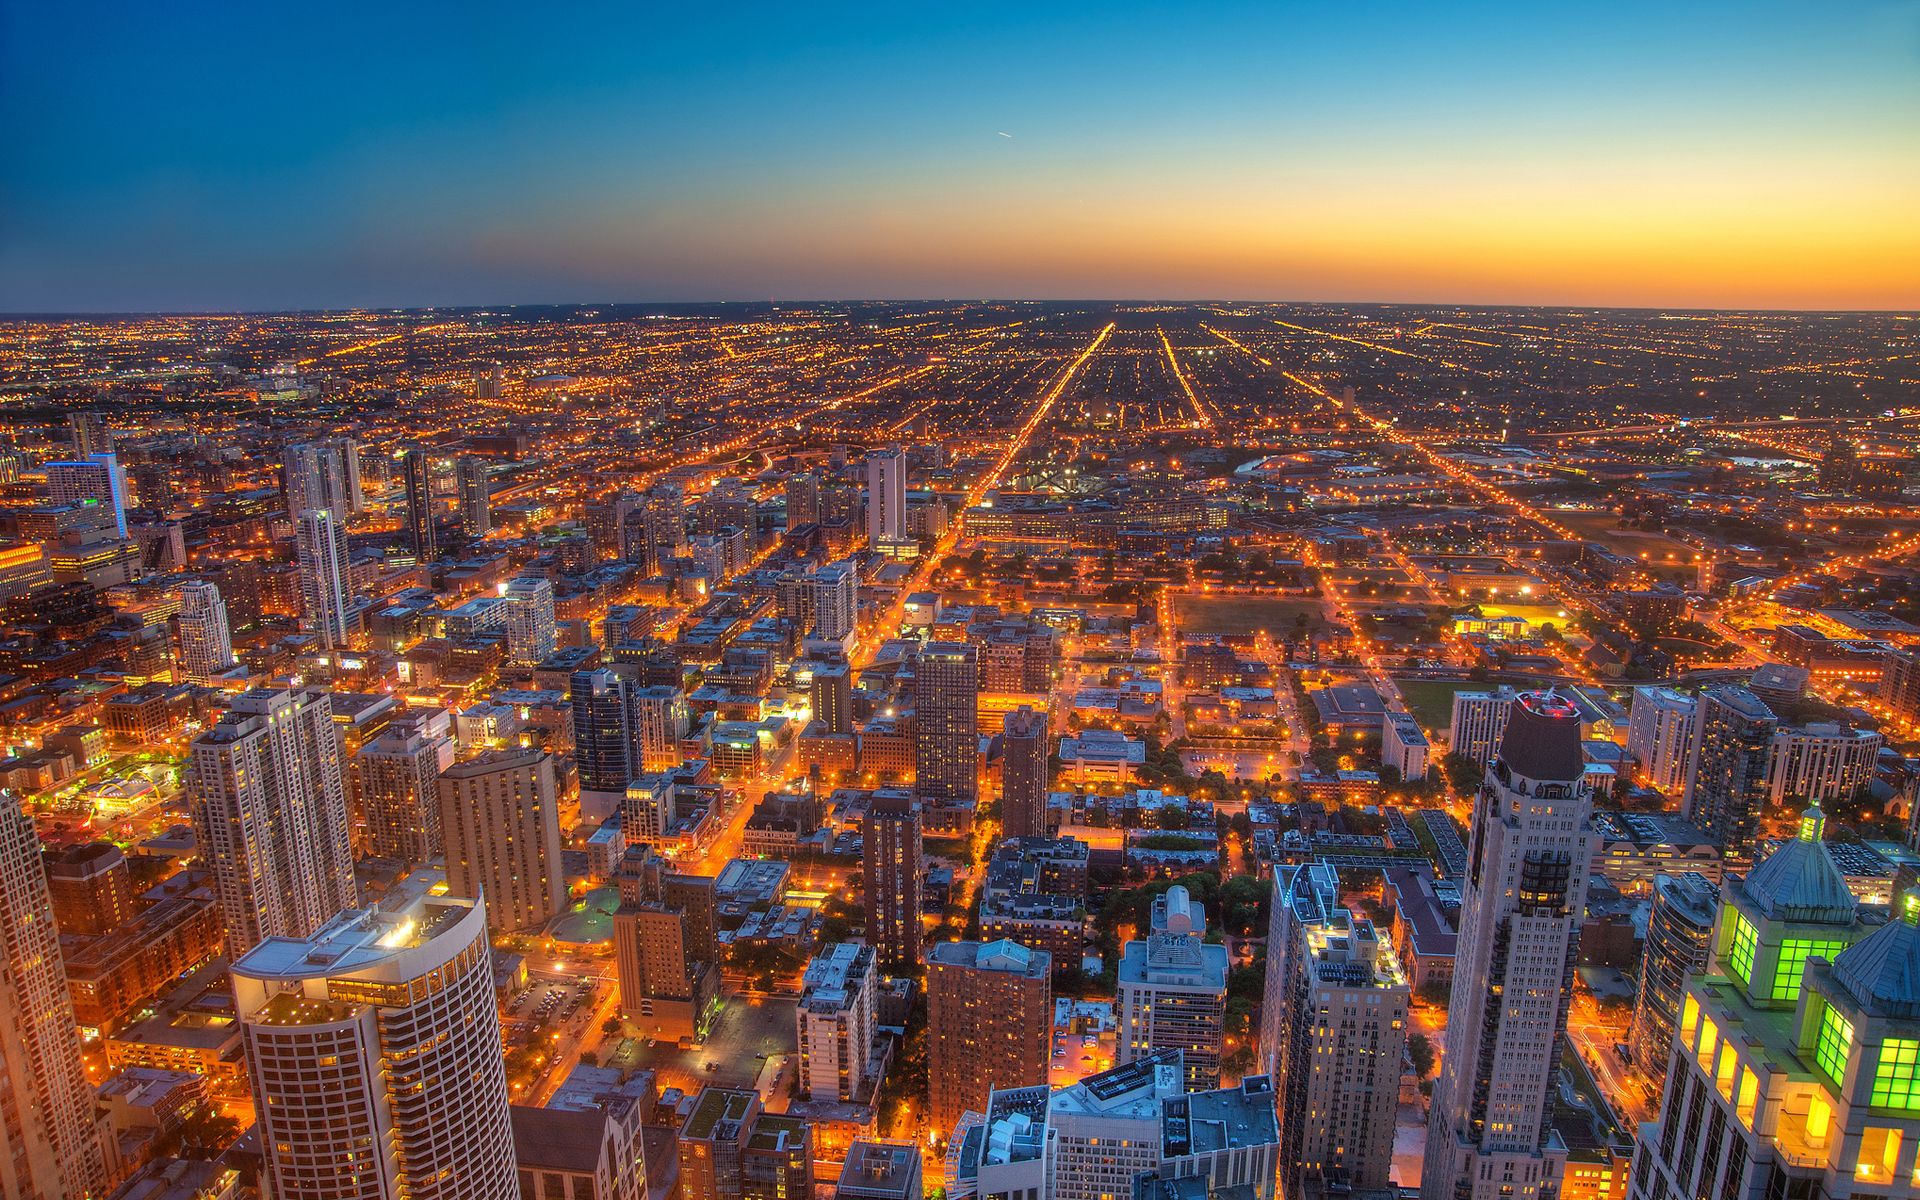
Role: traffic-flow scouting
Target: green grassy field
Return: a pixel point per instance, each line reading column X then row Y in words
column 1244, row 614
column 1431, row 700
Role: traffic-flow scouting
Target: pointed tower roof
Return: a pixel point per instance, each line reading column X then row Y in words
column 1799, row 881
column 1882, row 970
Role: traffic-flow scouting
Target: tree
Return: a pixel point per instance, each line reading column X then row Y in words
column 1420, row 1050
column 1243, row 902
column 1463, row 774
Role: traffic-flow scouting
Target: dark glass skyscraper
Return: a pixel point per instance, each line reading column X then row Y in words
column 420, row 535
column 946, row 737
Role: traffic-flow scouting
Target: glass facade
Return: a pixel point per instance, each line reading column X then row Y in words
column 1895, row 1084
column 1794, row 953
column 1741, row 949
column 1834, row 1043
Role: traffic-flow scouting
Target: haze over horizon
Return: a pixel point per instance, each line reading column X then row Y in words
column 1724, row 156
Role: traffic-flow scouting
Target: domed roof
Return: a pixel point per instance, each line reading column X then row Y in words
column 1799, row 881
column 1882, row 970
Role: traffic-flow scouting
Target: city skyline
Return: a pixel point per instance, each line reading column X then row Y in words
column 1713, row 156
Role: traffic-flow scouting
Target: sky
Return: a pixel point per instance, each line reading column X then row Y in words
column 205, row 156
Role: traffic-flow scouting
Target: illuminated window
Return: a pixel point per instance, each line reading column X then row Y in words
column 1835, row 1042
column 1794, row 953
column 1740, row 949
column 1896, row 1078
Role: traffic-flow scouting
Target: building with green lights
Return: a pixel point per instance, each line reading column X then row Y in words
column 1795, row 1066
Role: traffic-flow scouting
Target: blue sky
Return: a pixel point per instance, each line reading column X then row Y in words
column 228, row 156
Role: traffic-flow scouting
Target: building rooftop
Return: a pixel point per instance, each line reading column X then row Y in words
column 1542, row 739
column 1224, row 1119
column 1799, row 881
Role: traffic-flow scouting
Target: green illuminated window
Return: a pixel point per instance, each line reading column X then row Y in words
column 1740, row 950
column 1794, row 953
column 1835, row 1042
column 1896, row 1079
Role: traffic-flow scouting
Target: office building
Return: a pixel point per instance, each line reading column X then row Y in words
column 660, row 720
column 89, row 433
column 320, row 544
column 1660, row 734
column 890, row 838
column 832, row 694
column 531, row 632
column 50, row 1140
column 90, row 888
column 323, row 475
column 946, row 735
column 1479, row 720
column 876, row 1170
column 1489, row 1132
column 476, row 496
column 396, row 789
column 1023, row 775
column 1727, row 775
column 95, row 482
column 1679, row 930
column 666, row 953
column 500, row 822
column 1821, row 763
column 421, row 537
column 373, row 1047
column 835, row 1024
column 602, row 737
column 731, row 1150
column 1333, row 1030
column 269, row 797
column 989, row 1022
column 1173, row 990
column 1104, row 1132
column 886, row 500
column 1792, row 1071
column 206, row 644
column 1404, row 747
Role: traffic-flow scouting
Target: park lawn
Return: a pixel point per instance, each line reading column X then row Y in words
column 1632, row 543
column 1431, row 700
column 1223, row 615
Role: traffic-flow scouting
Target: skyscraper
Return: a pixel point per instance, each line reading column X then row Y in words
column 1727, row 776
column 1479, row 719
column 1792, row 1070
column 206, row 645
column 89, row 432
column 886, row 500
column 832, row 690
column 1023, row 774
column 835, row 1023
column 1660, row 733
column 94, row 480
column 421, row 537
column 270, row 809
column 1489, row 1135
column 1173, row 990
column 1823, row 762
column 660, row 718
column 602, row 731
column 50, row 1143
column 395, row 783
column 665, row 950
column 373, row 1047
column 891, row 853
column 325, row 583
column 803, row 499
column 476, row 496
column 989, row 1022
column 946, row 736
column 500, row 821
column 1679, row 930
column 1333, row 1031
column 531, row 636
column 323, row 474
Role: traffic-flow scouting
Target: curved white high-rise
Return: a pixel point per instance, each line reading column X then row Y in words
column 374, row 1052
column 206, row 643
